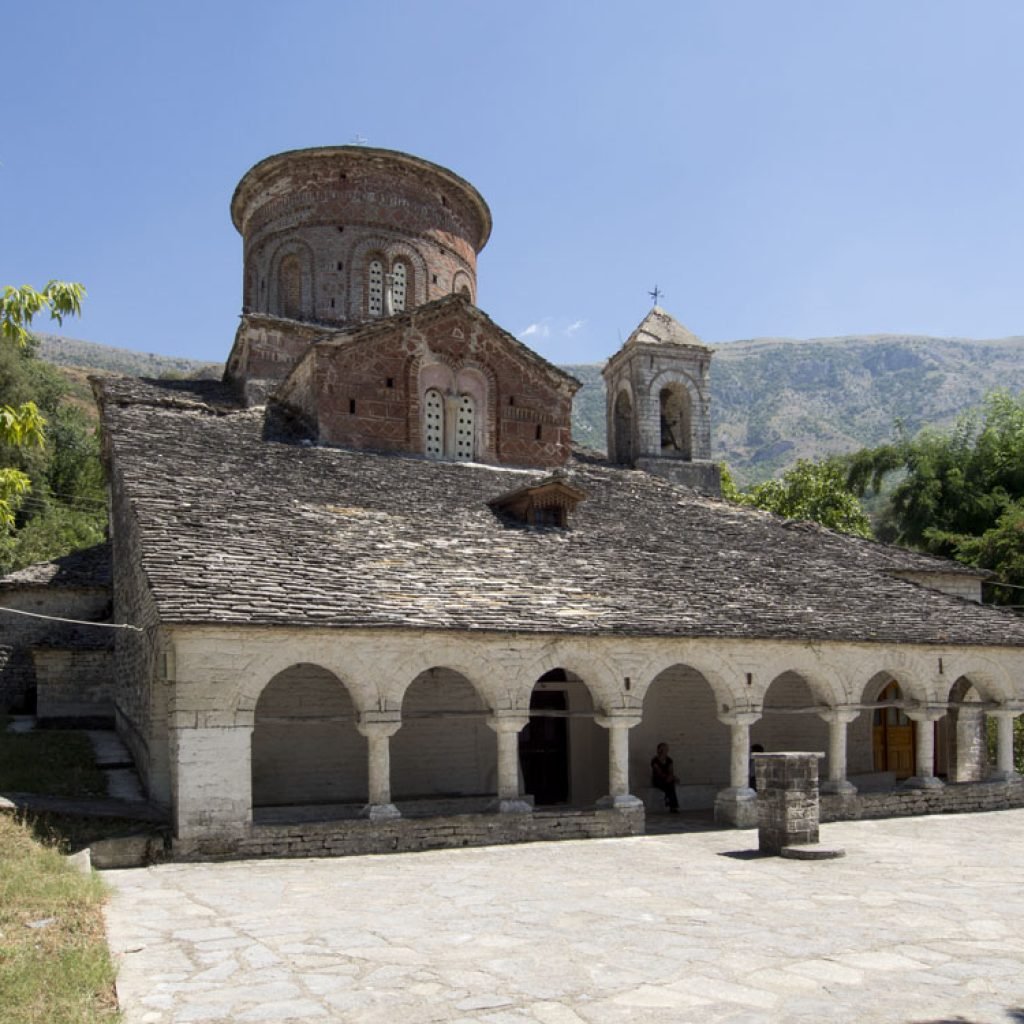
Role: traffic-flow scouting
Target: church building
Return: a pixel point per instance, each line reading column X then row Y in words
column 385, row 604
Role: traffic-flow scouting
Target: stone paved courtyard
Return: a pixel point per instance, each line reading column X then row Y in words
column 922, row 921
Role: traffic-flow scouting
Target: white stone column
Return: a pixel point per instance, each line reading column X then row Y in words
column 508, row 725
column 618, row 726
column 924, row 720
column 1005, row 770
column 378, row 727
column 738, row 804
column 838, row 719
column 211, row 771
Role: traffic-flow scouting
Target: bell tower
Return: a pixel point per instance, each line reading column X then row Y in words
column 659, row 404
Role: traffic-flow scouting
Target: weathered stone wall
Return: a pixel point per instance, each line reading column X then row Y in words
column 19, row 634
column 897, row 803
column 404, row 835
column 74, row 683
column 140, row 658
column 956, row 584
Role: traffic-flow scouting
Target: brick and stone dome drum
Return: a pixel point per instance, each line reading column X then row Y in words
column 342, row 234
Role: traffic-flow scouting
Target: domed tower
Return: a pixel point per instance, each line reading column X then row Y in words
column 340, row 235
column 659, row 403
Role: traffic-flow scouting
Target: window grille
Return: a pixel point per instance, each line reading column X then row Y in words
column 375, row 298
column 434, row 424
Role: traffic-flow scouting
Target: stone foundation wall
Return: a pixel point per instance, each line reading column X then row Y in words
column 74, row 684
column 898, row 803
column 407, row 835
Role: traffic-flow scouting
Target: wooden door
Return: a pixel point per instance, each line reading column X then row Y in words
column 893, row 737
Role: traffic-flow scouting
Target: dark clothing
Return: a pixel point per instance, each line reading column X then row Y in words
column 664, row 778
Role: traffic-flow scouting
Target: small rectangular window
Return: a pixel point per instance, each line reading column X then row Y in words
column 538, row 431
column 433, row 278
column 340, row 265
column 391, row 382
column 351, row 407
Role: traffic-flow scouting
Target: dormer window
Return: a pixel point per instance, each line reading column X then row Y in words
column 549, row 503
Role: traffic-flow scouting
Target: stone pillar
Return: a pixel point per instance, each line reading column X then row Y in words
column 737, row 805
column 378, row 727
column 508, row 725
column 618, row 726
column 212, row 781
column 787, row 805
column 838, row 719
column 1005, row 770
column 924, row 720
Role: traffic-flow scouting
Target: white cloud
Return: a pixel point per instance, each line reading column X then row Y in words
column 536, row 330
column 574, row 327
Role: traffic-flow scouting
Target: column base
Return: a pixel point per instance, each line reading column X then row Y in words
column 622, row 802
column 737, row 807
column 380, row 812
column 922, row 782
column 1004, row 776
column 516, row 806
column 843, row 787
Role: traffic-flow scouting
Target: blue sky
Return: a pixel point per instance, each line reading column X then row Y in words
column 777, row 168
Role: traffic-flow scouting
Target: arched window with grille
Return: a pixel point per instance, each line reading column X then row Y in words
column 399, row 286
column 433, row 424
column 375, row 289
column 465, row 425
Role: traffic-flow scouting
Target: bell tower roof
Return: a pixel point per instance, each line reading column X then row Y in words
column 661, row 328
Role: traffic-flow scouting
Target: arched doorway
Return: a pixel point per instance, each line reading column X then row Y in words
column 563, row 753
column 680, row 709
column 961, row 737
column 444, row 757
column 306, row 748
column 893, row 742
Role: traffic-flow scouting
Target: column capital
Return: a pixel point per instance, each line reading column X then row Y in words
column 621, row 719
column 739, row 717
column 379, row 723
column 925, row 713
column 1005, row 712
column 508, row 721
column 840, row 715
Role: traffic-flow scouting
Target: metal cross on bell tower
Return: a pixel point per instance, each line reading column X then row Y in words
column 656, row 294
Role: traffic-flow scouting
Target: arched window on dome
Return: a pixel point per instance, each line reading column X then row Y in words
column 375, row 289
column 399, row 286
column 433, row 424
column 289, row 287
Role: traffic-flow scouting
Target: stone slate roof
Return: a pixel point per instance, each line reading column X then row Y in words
column 238, row 529
column 86, row 569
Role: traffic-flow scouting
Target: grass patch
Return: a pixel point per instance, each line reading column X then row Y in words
column 58, row 762
column 60, row 971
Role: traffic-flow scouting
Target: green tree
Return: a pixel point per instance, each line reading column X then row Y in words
column 815, row 491
column 958, row 494
column 21, row 423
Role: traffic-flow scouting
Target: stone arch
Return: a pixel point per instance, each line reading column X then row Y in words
column 680, row 708
column 292, row 284
column 306, row 748
column 787, row 721
column 882, row 740
column 676, row 418
column 444, row 757
column 598, row 676
column 462, row 284
column 387, row 250
column 622, row 428
column 729, row 697
column 961, row 736
column 563, row 752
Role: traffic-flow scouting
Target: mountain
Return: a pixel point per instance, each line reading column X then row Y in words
column 774, row 400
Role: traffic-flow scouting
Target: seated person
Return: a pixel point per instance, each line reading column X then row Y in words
column 663, row 777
